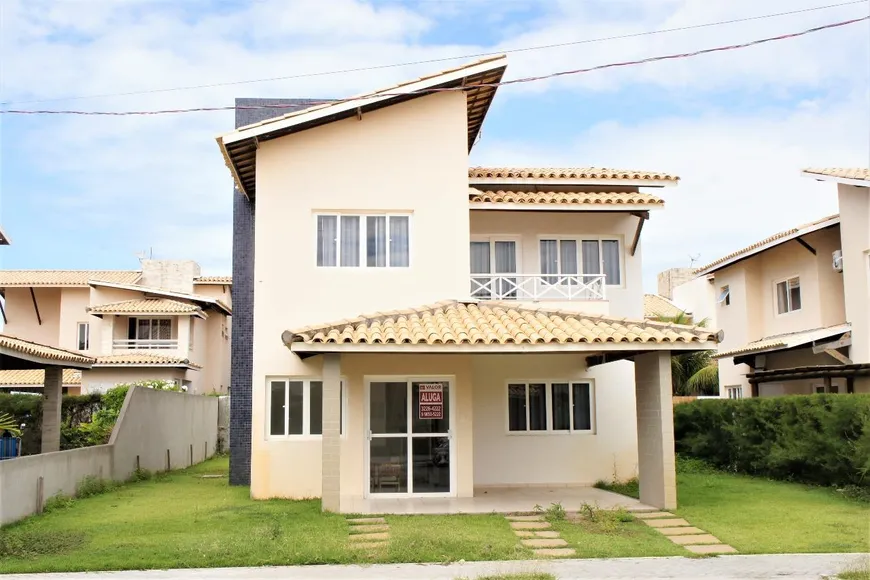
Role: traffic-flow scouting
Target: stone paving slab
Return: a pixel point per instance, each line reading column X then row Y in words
column 546, row 534
column 714, row 549
column 666, row 523
column 359, row 521
column 368, row 537
column 652, row 515
column 554, row 552
column 369, row 528
column 525, row 533
column 695, row 539
column 545, row 543
column 681, row 531
column 530, row 525
column 525, row 518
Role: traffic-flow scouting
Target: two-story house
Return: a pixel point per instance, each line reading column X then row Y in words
column 853, row 191
column 780, row 305
column 410, row 328
column 165, row 321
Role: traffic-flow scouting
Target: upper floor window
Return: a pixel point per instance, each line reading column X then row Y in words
column 84, row 335
column 734, row 392
column 371, row 241
column 788, row 295
column 724, row 296
column 150, row 328
column 568, row 257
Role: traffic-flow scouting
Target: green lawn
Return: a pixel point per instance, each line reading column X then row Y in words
column 185, row 520
column 759, row 516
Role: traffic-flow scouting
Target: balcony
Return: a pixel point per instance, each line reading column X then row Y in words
column 144, row 344
column 538, row 287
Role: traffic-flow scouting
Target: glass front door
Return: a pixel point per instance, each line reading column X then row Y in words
column 409, row 437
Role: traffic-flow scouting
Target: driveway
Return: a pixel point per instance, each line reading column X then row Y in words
column 791, row 566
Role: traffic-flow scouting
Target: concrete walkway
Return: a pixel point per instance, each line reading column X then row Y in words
column 791, row 566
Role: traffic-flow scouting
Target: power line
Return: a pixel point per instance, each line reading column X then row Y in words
column 444, row 59
column 462, row 88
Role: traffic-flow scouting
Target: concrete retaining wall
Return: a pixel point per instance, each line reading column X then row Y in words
column 150, row 423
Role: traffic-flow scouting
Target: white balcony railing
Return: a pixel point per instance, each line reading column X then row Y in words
column 144, row 344
column 537, row 287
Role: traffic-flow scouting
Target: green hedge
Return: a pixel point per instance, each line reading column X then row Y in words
column 819, row 439
column 76, row 410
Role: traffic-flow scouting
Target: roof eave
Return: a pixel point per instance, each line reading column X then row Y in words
column 586, row 347
column 578, row 182
column 835, row 179
column 581, row 207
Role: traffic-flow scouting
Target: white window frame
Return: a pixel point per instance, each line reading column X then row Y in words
column 548, row 404
column 734, row 392
column 87, row 326
column 363, row 239
column 151, row 320
column 786, row 280
column 306, row 409
column 491, row 239
column 724, row 296
column 580, row 239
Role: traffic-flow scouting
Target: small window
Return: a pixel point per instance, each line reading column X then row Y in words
column 84, row 335
column 296, row 407
column 549, row 407
column 371, row 241
column 724, row 296
column 734, row 392
column 788, row 295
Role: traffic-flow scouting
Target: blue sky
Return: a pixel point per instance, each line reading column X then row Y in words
column 86, row 192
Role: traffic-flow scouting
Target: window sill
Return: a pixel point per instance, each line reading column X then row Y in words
column 545, row 433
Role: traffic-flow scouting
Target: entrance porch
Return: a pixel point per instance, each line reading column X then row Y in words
column 496, row 500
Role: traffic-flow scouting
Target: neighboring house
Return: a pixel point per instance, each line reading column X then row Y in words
column 780, row 304
column 32, row 381
column 23, row 361
column 853, row 190
column 416, row 328
column 698, row 298
column 164, row 321
column 657, row 307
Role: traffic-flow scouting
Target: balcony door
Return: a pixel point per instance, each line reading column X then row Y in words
column 492, row 262
column 148, row 333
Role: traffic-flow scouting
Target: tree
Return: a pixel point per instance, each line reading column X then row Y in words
column 693, row 373
column 8, row 423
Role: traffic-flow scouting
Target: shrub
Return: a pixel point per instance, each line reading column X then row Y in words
column 91, row 485
column 818, row 439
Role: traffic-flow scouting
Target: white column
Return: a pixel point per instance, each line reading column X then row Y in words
column 655, row 430
column 183, row 334
column 331, row 440
column 52, row 389
column 107, row 335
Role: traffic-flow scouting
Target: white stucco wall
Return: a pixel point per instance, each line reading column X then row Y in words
column 21, row 315
column 411, row 157
column 698, row 297
column 855, row 225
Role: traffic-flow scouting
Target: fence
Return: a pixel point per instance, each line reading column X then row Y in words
column 156, row 430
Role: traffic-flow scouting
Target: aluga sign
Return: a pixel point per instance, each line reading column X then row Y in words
column 431, row 404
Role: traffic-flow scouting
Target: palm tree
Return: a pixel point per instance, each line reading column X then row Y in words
column 8, row 423
column 694, row 373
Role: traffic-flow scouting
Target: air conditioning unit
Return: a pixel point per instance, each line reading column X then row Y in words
column 838, row 260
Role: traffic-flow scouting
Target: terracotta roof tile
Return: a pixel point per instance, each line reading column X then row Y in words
column 656, row 306
column 489, row 323
column 146, row 306
column 789, row 340
column 143, row 359
column 859, row 173
column 563, row 197
column 749, row 250
column 213, row 280
column 36, row 377
column 574, row 173
column 10, row 278
column 47, row 353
